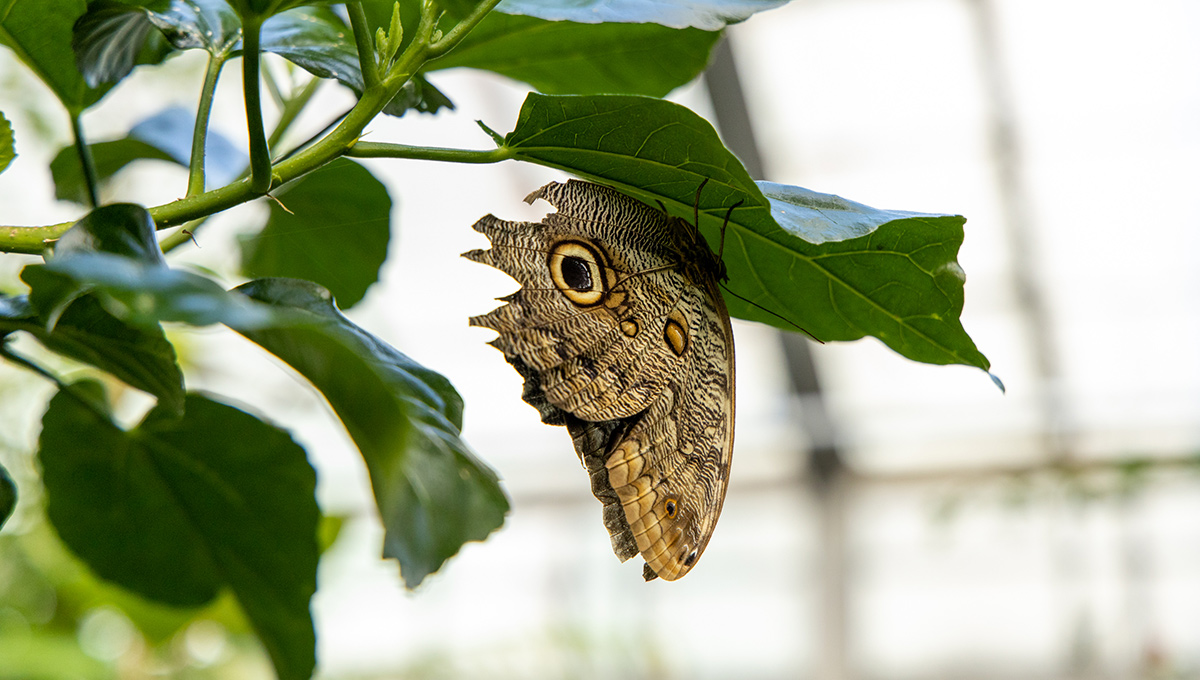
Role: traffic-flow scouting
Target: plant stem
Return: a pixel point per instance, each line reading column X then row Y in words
column 69, row 390
column 362, row 40
column 427, row 153
column 338, row 142
column 85, row 159
column 268, row 76
column 260, row 154
column 456, row 34
column 291, row 109
column 200, row 133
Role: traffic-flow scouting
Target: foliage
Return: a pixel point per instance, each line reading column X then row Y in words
column 203, row 498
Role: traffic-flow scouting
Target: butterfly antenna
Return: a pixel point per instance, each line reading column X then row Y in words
column 724, row 225
column 774, row 314
column 696, row 203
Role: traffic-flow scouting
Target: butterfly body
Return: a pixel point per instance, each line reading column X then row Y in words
column 622, row 335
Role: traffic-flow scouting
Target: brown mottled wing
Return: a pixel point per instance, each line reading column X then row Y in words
column 622, row 335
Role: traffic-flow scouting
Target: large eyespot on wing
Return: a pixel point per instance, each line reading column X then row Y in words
column 579, row 272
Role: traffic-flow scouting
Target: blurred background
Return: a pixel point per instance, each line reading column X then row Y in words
column 886, row 519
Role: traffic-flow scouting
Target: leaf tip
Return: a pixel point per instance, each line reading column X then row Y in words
column 996, row 380
column 496, row 137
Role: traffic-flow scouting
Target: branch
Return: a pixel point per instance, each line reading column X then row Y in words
column 427, row 153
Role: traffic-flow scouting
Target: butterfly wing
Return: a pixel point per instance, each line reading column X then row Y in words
column 629, row 349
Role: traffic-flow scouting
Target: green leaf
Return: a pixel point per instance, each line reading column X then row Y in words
column 820, row 218
column 420, row 95
column 899, row 283
column 38, row 32
column 140, row 357
column 111, row 38
column 165, row 136
column 379, row 15
column 121, row 229
column 109, row 157
column 178, row 508
column 709, row 15
column 340, row 203
column 144, row 295
column 267, row 8
column 8, row 496
column 112, row 252
column 316, row 39
column 563, row 57
column 433, row 493
column 8, row 148
column 209, row 25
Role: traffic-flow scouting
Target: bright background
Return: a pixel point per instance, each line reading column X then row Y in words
column 969, row 533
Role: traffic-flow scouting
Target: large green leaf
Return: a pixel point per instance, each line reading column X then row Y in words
column 8, row 496
column 177, row 508
column 433, row 493
column 710, row 15
column 140, row 356
column 564, row 57
column 900, row 282
column 8, row 148
column 334, row 231
column 38, row 32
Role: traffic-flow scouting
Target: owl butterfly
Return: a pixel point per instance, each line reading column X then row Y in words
column 621, row 335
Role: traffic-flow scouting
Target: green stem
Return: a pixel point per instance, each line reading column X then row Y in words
column 291, row 110
column 427, row 153
column 200, row 133
column 69, row 390
column 85, row 159
column 33, row 240
column 272, row 83
column 456, row 34
column 260, row 154
column 362, row 40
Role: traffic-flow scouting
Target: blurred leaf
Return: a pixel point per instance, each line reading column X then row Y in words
column 46, row 655
column 563, row 57
column 112, row 252
column 165, row 136
column 8, row 148
column 120, row 229
column 340, row 203
column 317, row 40
column 821, row 218
column 143, row 294
column 267, row 8
column 111, row 38
column 38, row 32
column 709, row 15
column 900, row 282
column 109, row 157
column 418, row 94
column 433, row 493
column 170, row 131
column 180, row 507
column 8, row 496
column 140, row 357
